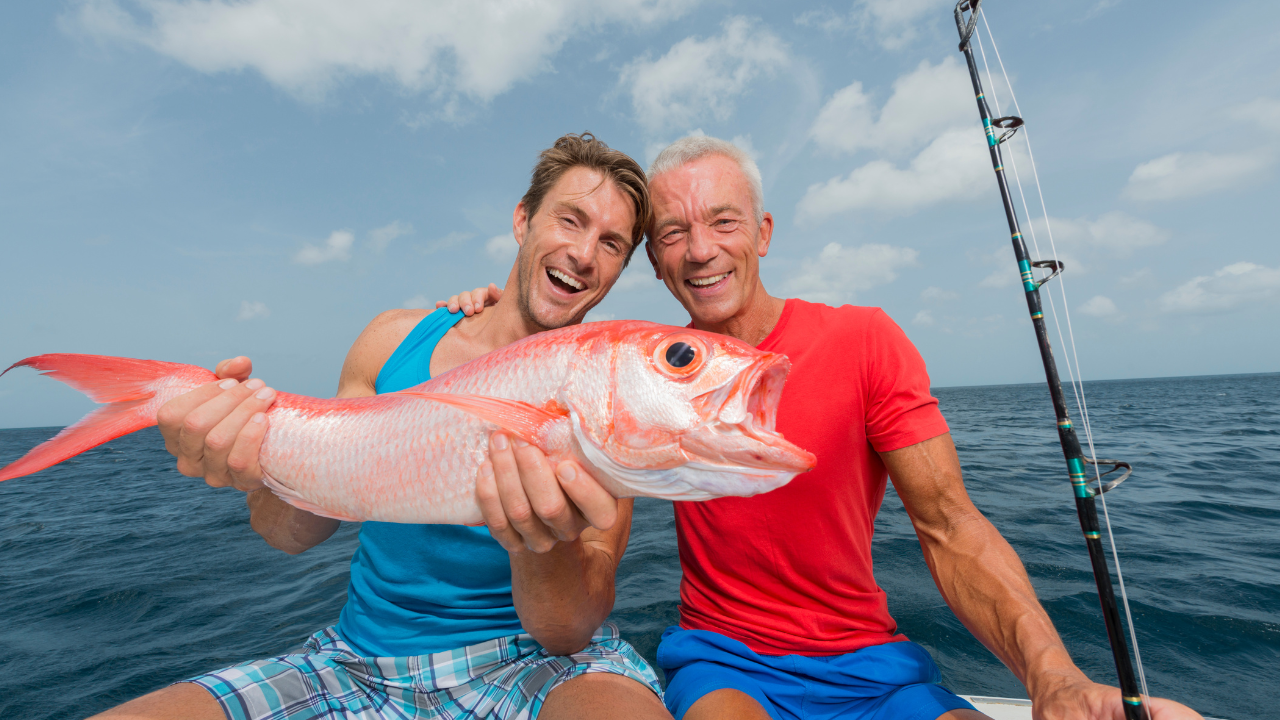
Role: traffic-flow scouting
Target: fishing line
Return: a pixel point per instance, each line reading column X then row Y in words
column 1073, row 364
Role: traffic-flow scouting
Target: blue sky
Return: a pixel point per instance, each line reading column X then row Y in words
column 191, row 180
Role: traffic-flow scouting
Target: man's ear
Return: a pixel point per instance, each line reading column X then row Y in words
column 766, row 234
column 648, row 250
column 519, row 221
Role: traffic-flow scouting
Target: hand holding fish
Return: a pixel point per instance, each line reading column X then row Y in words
column 216, row 430
column 529, row 506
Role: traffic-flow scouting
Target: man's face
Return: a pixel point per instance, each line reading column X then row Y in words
column 572, row 249
column 705, row 243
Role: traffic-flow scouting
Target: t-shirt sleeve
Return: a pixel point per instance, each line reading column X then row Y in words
column 900, row 409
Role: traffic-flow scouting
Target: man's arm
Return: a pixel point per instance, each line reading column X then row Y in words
column 986, row 586
column 565, row 535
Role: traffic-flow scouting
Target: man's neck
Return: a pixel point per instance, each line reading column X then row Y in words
column 753, row 323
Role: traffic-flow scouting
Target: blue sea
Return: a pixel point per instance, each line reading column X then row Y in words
column 119, row 576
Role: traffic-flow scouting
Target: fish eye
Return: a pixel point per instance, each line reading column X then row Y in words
column 680, row 354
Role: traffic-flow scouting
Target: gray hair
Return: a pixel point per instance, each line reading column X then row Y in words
column 695, row 147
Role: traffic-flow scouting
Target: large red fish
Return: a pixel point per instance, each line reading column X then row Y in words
column 654, row 410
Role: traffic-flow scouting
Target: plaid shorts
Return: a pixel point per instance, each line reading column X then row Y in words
column 506, row 678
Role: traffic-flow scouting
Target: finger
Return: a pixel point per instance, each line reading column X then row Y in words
column 441, row 303
column 479, row 298
column 491, row 509
column 549, row 502
column 242, row 461
column 239, row 367
column 199, row 423
column 495, row 294
column 534, row 535
column 467, row 303
column 173, row 413
column 597, row 505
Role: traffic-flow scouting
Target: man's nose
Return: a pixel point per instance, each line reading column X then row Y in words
column 700, row 248
column 583, row 252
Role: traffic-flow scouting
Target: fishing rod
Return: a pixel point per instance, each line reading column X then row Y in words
column 1075, row 457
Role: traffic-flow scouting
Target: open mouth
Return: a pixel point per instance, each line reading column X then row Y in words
column 742, row 416
column 709, row 282
column 565, row 282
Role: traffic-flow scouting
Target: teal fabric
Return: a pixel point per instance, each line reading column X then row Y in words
column 419, row 589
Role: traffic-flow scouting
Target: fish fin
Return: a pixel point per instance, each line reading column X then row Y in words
column 127, row 385
column 102, row 425
column 520, row 418
column 292, row 498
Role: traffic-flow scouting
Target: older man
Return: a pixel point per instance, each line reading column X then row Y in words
column 780, row 616
column 442, row 621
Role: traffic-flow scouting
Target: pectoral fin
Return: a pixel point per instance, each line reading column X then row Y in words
column 519, row 418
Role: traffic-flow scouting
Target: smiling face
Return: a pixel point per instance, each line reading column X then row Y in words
column 705, row 243
column 572, row 249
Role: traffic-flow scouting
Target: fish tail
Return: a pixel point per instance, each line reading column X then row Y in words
column 134, row 390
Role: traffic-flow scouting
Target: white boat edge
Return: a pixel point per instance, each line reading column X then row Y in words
column 998, row 708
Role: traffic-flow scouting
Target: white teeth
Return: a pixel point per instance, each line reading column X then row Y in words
column 703, row 282
column 565, row 279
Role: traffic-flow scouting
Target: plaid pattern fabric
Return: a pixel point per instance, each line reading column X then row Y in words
column 504, row 679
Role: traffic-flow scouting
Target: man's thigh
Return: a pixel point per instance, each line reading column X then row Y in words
column 184, row 701
column 602, row 696
column 729, row 704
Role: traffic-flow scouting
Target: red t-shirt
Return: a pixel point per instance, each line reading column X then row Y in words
column 790, row 571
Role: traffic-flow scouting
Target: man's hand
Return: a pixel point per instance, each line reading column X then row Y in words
column 529, row 507
column 474, row 301
column 216, row 430
column 1085, row 700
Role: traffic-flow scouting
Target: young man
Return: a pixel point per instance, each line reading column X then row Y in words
column 780, row 616
column 442, row 621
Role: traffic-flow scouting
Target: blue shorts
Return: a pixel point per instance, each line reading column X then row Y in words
column 895, row 681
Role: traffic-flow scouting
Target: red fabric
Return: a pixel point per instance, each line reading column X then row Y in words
column 789, row 571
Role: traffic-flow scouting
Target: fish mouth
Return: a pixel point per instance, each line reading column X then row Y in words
column 741, row 417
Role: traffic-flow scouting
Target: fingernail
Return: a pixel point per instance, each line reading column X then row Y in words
column 520, row 442
column 254, row 384
column 228, row 384
column 259, row 418
column 486, row 470
column 500, row 441
column 466, row 308
column 265, row 393
column 567, row 473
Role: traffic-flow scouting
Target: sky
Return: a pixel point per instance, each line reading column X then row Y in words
column 194, row 180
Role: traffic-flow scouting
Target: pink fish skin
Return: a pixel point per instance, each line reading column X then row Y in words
column 652, row 410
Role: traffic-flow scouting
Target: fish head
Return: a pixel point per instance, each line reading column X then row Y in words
column 687, row 415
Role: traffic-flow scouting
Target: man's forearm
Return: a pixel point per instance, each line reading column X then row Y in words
column 986, row 585
column 284, row 526
column 563, row 595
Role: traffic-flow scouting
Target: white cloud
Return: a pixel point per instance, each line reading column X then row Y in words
column 938, row 295
column 250, row 310
column 477, row 49
column 418, row 302
column 1263, row 111
column 923, row 318
column 381, row 237
column 597, row 316
column 702, row 78
column 1181, row 175
column 953, row 166
column 838, row 273
column 1099, row 306
column 1233, row 285
column 502, row 248
column 453, row 239
column 894, row 23
column 925, row 103
column 337, row 247
column 1116, row 232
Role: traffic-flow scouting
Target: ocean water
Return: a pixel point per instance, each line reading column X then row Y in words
column 118, row 576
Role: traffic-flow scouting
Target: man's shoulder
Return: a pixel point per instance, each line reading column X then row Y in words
column 821, row 322
column 375, row 345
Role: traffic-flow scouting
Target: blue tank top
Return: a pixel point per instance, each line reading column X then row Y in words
column 418, row 589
